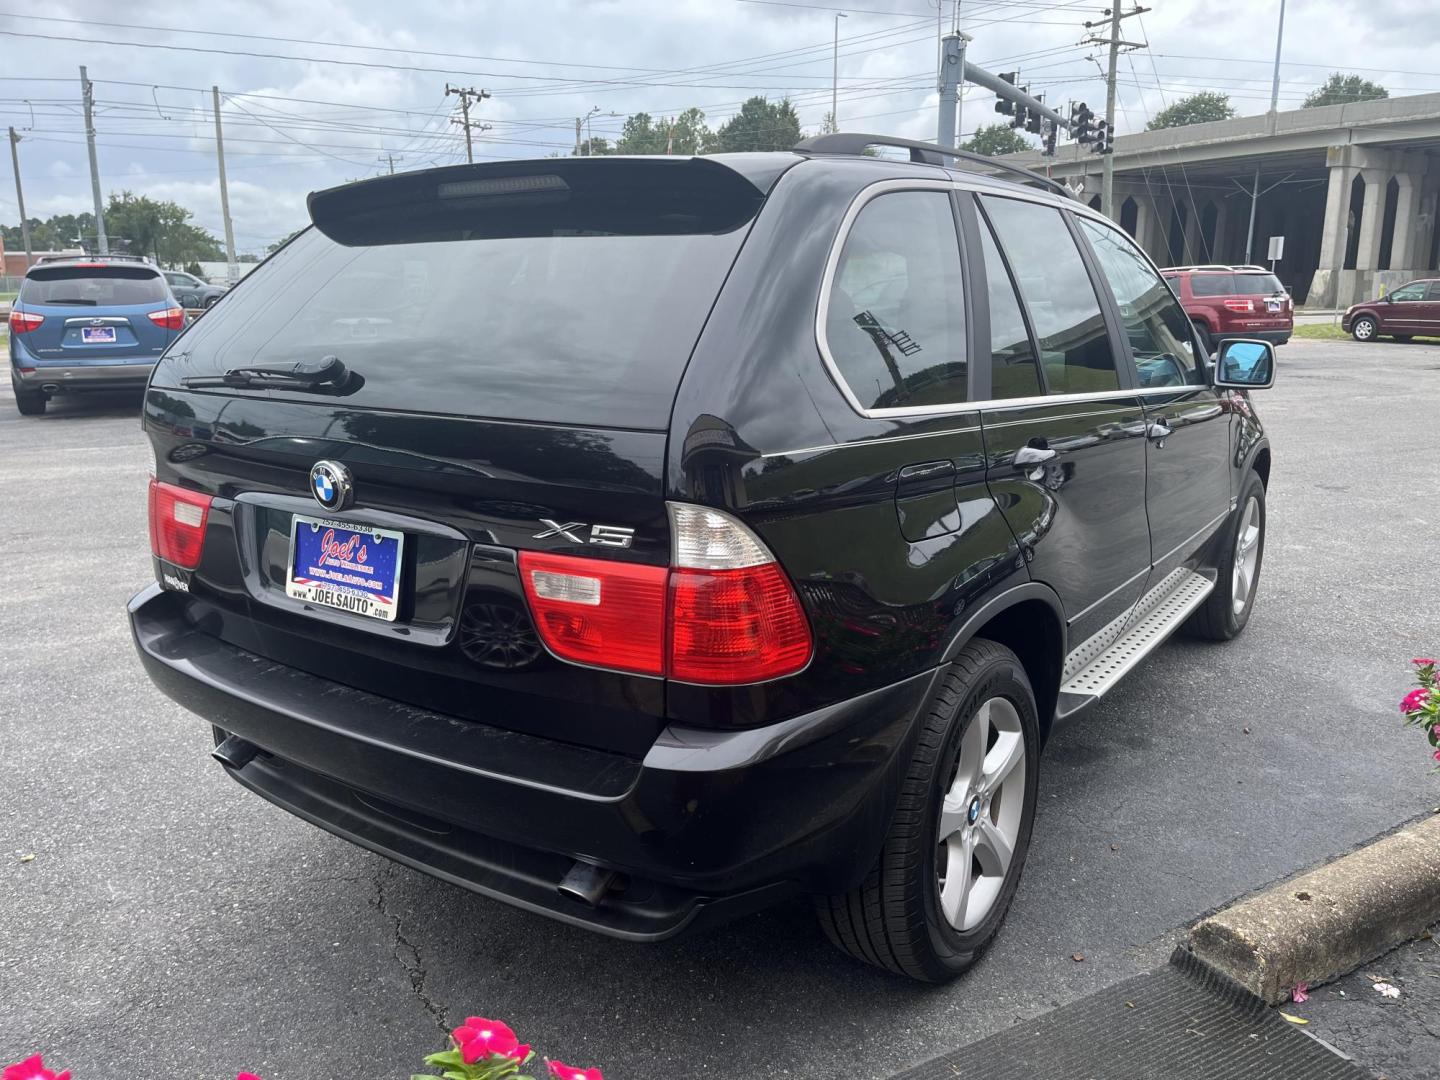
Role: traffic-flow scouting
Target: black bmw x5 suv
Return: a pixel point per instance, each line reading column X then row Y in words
column 640, row 541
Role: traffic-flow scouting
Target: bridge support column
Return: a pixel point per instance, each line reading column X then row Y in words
column 1407, row 205
column 1372, row 221
column 1335, row 234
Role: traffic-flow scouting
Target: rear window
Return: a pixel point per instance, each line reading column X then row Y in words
column 1234, row 284
column 546, row 302
column 93, row 286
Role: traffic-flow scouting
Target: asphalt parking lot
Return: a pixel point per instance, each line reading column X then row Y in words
column 171, row 924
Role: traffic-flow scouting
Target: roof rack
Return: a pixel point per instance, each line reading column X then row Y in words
column 847, row 142
column 1218, row 267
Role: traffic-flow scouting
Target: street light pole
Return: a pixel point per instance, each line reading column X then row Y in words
column 835, row 75
column 20, row 196
column 1270, row 120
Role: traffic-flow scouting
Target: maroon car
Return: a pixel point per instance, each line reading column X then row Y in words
column 1233, row 302
column 1412, row 309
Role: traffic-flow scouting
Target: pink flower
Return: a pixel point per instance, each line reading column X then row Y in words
column 478, row 1037
column 520, row 1053
column 561, row 1071
column 1415, row 700
column 1437, row 758
column 247, row 1076
column 1300, row 994
column 33, row 1068
column 1423, row 661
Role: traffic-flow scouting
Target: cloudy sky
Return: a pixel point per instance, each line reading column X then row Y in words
column 318, row 92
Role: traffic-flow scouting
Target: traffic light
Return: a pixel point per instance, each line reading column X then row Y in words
column 1048, row 139
column 1081, row 128
column 1004, row 104
column 1103, row 144
column 1033, row 119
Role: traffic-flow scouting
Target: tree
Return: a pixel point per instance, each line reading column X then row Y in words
column 62, row 231
column 685, row 134
column 1198, row 108
column 278, row 244
column 160, row 229
column 1341, row 89
column 596, row 147
column 992, row 140
column 760, row 125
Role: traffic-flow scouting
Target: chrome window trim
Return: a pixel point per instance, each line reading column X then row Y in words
column 832, row 263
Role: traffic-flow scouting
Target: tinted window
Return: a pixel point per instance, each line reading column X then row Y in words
column 1212, row 284
column 93, row 286
column 1013, row 371
column 1409, row 292
column 1257, row 285
column 579, row 327
column 896, row 320
column 1069, row 327
column 1155, row 324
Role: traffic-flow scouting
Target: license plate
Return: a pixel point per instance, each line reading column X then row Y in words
column 342, row 565
column 97, row 335
column 1272, row 305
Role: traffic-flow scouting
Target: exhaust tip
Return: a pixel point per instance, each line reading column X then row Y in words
column 50, row 388
column 235, row 752
column 587, row 882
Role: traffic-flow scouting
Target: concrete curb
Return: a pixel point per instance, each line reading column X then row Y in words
column 1329, row 921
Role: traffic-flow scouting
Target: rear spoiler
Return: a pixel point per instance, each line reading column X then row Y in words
column 640, row 196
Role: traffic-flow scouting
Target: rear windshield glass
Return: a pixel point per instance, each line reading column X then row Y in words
column 586, row 321
column 1234, row 284
column 93, row 286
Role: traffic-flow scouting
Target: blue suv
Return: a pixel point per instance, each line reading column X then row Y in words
column 88, row 323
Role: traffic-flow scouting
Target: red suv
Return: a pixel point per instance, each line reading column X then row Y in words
column 1412, row 309
column 1233, row 301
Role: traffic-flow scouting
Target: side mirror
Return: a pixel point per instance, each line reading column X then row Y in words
column 1245, row 365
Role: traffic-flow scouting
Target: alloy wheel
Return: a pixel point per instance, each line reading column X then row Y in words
column 1247, row 556
column 981, row 814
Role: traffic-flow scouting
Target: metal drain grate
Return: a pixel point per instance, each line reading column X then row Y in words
column 1161, row 620
column 1179, row 1023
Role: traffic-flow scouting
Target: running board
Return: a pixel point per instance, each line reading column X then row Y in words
column 1158, row 615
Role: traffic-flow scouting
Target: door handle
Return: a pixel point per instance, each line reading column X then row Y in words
column 1158, row 430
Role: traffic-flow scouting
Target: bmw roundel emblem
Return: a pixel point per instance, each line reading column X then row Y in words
column 331, row 485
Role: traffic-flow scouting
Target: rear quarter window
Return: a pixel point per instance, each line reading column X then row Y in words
column 107, row 286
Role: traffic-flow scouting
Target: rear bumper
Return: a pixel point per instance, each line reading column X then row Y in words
column 65, row 378
column 1275, row 337
column 707, row 826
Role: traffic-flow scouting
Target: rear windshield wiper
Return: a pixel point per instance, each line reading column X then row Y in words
column 71, row 300
column 327, row 376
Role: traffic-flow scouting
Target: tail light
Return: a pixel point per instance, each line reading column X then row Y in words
column 171, row 318
column 723, row 613
column 22, row 322
column 1240, row 305
column 177, row 523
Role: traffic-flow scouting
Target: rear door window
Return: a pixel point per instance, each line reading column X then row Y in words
column 895, row 322
column 1257, row 285
column 1013, row 369
column 93, row 286
column 1070, row 329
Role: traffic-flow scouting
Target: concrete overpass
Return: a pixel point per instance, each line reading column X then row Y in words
column 1352, row 188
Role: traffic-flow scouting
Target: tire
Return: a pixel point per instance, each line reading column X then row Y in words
column 30, row 402
column 1223, row 615
column 1207, row 343
column 211, row 301
column 1364, row 328
column 895, row 919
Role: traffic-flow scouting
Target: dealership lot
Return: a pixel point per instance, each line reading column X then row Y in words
column 171, row 919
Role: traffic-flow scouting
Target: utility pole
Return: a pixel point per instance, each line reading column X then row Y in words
column 1107, row 161
column 87, row 96
column 952, row 49
column 1270, row 120
column 835, row 75
column 20, row 196
column 389, row 160
column 232, row 269
column 466, row 97
column 580, row 122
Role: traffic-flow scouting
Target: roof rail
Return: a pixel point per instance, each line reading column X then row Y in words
column 847, row 142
